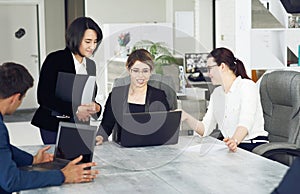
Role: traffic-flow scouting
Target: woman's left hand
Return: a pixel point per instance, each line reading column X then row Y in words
column 43, row 156
column 231, row 144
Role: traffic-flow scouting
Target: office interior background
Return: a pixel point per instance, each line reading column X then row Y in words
column 257, row 31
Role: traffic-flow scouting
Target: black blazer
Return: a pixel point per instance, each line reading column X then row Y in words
column 290, row 182
column 117, row 104
column 58, row 61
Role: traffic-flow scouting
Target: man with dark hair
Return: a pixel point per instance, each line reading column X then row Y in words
column 15, row 80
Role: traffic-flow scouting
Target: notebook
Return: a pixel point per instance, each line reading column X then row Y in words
column 72, row 141
column 148, row 129
column 76, row 88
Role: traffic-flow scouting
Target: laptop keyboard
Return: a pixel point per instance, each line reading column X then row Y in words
column 55, row 165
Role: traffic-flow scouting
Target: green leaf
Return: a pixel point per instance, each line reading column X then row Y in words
column 160, row 52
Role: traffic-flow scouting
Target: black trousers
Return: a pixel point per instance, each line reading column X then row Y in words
column 253, row 143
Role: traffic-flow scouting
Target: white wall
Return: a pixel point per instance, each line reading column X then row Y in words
column 233, row 25
column 145, row 11
column 54, row 25
column 183, row 44
column 205, row 25
column 140, row 11
column 129, row 11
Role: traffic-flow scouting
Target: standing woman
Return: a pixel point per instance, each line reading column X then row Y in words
column 235, row 105
column 82, row 40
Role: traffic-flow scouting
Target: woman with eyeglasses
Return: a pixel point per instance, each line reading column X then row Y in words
column 83, row 37
column 235, row 105
column 136, row 97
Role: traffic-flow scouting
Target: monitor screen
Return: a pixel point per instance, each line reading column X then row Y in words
column 195, row 62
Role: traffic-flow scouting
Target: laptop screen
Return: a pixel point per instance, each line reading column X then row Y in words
column 75, row 140
column 148, row 129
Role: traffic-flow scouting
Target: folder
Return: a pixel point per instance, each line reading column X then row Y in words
column 76, row 88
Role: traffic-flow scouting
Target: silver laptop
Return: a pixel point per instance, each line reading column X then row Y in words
column 148, row 129
column 72, row 141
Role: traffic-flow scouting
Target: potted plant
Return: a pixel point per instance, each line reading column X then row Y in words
column 159, row 51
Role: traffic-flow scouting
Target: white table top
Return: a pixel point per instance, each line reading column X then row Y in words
column 194, row 165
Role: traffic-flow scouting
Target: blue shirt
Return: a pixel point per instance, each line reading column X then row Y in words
column 11, row 177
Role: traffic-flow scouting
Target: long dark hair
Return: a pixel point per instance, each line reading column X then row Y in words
column 224, row 55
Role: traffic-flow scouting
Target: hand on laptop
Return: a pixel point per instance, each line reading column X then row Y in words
column 85, row 111
column 99, row 140
column 76, row 173
column 43, row 156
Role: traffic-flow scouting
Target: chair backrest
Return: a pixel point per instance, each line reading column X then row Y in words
column 172, row 70
column 280, row 98
column 162, row 82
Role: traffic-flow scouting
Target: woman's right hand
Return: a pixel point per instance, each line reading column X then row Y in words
column 85, row 111
column 99, row 140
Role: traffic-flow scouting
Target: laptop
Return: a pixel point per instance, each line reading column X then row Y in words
column 76, row 88
column 148, row 129
column 72, row 141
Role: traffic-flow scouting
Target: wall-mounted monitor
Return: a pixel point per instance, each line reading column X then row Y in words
column 195, row 62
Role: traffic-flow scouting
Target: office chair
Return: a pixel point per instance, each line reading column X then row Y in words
column 162, row 82
column 280, row 99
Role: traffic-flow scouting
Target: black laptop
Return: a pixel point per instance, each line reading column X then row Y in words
column 148, row 129
column 72, row 141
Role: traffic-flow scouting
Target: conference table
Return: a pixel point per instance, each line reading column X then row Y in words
column 194, row 165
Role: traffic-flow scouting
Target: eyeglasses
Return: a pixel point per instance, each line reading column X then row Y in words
column 210, row 67
column 136, row 71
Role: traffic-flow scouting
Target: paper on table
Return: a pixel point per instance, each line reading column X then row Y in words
column 207, row 147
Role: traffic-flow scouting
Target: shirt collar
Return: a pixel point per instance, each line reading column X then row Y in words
column 235, row 84
column 77, row 64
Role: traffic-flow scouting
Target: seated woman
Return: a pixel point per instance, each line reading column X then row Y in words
column 235, row 105
column 138, row 96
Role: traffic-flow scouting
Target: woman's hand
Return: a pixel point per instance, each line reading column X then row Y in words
column 231, row 143
column 99, row 140
column 85, row 111
column 43, row 156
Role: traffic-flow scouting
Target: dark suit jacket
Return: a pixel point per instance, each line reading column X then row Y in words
column 58, row 61
column 290, row 182
column 11, row 177
column 116, row 105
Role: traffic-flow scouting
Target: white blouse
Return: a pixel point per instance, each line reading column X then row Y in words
column 241, row 106
column 80, row 68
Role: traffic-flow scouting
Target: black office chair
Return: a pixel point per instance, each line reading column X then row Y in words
column 280, row 99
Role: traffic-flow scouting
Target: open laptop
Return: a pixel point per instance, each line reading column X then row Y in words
column 72, row 141
column 148, row 129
